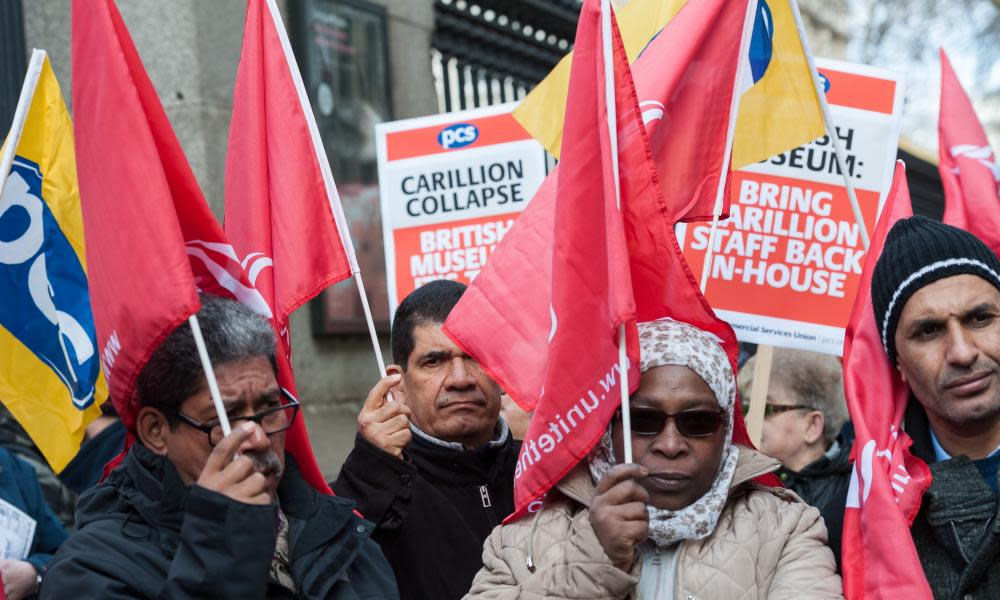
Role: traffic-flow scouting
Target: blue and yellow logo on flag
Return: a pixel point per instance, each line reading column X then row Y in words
column 779, row 108
column 50, row 374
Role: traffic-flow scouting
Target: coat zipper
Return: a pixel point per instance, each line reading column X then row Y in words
column 484, row 495
column 954, row 532
column 659, row 570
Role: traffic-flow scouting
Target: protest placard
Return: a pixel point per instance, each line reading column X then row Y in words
column 451, row 186
column 787, row 263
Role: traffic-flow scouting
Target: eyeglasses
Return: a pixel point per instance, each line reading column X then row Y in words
column 690, row 423
column 272, row 420
column 777, row 409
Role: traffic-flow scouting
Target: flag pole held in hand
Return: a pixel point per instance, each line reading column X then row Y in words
column 609, row 94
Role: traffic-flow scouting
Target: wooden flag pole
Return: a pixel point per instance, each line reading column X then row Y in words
column 831, row 131
column 609, row 99
column 734, row 109
column 758, row 392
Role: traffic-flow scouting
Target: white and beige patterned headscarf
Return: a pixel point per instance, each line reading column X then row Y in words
column 669, row 342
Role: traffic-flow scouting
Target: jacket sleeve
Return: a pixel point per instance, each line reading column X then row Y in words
column 573, row 567
column 806, row 568
column 224, row 552
column 49, row 532
column 380, row 484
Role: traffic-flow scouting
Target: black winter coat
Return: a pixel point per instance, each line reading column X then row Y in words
column 433, row 510
column 823, row 484
column 143, row 534
column 957, row 531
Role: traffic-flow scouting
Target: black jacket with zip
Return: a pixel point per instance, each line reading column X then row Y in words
column 434, row 509
column 144, row 534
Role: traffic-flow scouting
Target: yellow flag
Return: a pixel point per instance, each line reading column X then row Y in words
column 541, row 113
column 779, row 112
column 50, row 375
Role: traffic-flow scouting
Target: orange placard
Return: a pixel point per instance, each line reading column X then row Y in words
column 791, row 249
column 427, row 141
column 451, row 250
column 851, row 90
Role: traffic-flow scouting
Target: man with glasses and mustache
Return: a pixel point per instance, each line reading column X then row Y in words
column 936, row 299
column 191, row 513
column 803, row 419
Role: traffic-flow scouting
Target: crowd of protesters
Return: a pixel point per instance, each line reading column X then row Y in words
column 192, row 513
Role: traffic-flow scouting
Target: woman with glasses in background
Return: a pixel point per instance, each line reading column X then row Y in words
column 685, row 520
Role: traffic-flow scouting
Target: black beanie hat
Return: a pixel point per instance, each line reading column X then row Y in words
column 919, row 251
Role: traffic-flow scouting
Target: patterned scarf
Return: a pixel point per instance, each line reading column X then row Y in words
column 669, row 342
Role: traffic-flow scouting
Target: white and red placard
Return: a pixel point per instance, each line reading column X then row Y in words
column 451, row 186
column 788, row 261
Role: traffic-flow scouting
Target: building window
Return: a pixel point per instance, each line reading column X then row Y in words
column 342, row 48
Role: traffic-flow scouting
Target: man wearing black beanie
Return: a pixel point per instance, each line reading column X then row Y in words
column 936, row 298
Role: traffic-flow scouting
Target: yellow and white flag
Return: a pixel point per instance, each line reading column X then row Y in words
column 50, row 372
column 778, row 110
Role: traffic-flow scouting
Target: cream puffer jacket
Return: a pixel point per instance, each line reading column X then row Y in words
column 767, row 544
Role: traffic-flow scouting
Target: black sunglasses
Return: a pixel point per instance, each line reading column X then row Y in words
column 690, row 423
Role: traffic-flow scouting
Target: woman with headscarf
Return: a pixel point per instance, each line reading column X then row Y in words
column 685, row 521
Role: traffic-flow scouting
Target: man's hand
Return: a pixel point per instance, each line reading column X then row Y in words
column 235, row 477
column 383, row 423
column 20, row 579
column 618, row 513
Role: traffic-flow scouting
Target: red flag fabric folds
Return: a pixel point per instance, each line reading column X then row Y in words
column 283, row 213
column 141, row 203
column 887, row 482
column 141, row 283
column 542, row 316
column 684, row 80
column 969, row 168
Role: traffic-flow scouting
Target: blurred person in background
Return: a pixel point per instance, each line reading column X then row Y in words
column 60, row 497
column 21, row 501
column 803, row 421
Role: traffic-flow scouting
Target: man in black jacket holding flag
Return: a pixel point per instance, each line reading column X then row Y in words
column 433, row 465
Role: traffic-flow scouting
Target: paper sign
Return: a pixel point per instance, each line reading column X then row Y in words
column 788, row 261
column 451, row 185
column 17, row 531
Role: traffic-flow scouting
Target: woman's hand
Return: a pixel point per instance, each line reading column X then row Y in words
column 20, row 579
column 618, row 513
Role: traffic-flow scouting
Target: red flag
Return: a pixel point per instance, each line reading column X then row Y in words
column 887, row 482
column 148, row 144
column 587, row 294
column 684, row 81
column 551, row 288
column 283, row 213
column 969, row 168
column 141, row 284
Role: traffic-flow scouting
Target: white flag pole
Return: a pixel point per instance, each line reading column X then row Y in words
column 734, row 109
column 10, row 151
column 206, row 365
column 331, row 187
column 20, row 115
column 609, row 98
column 831, row 131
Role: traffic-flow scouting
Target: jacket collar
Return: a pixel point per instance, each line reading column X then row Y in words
column 443, row 461
column 499, row 439
column 750, row 464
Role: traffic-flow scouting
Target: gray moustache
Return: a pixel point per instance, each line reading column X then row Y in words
column 266, row 463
